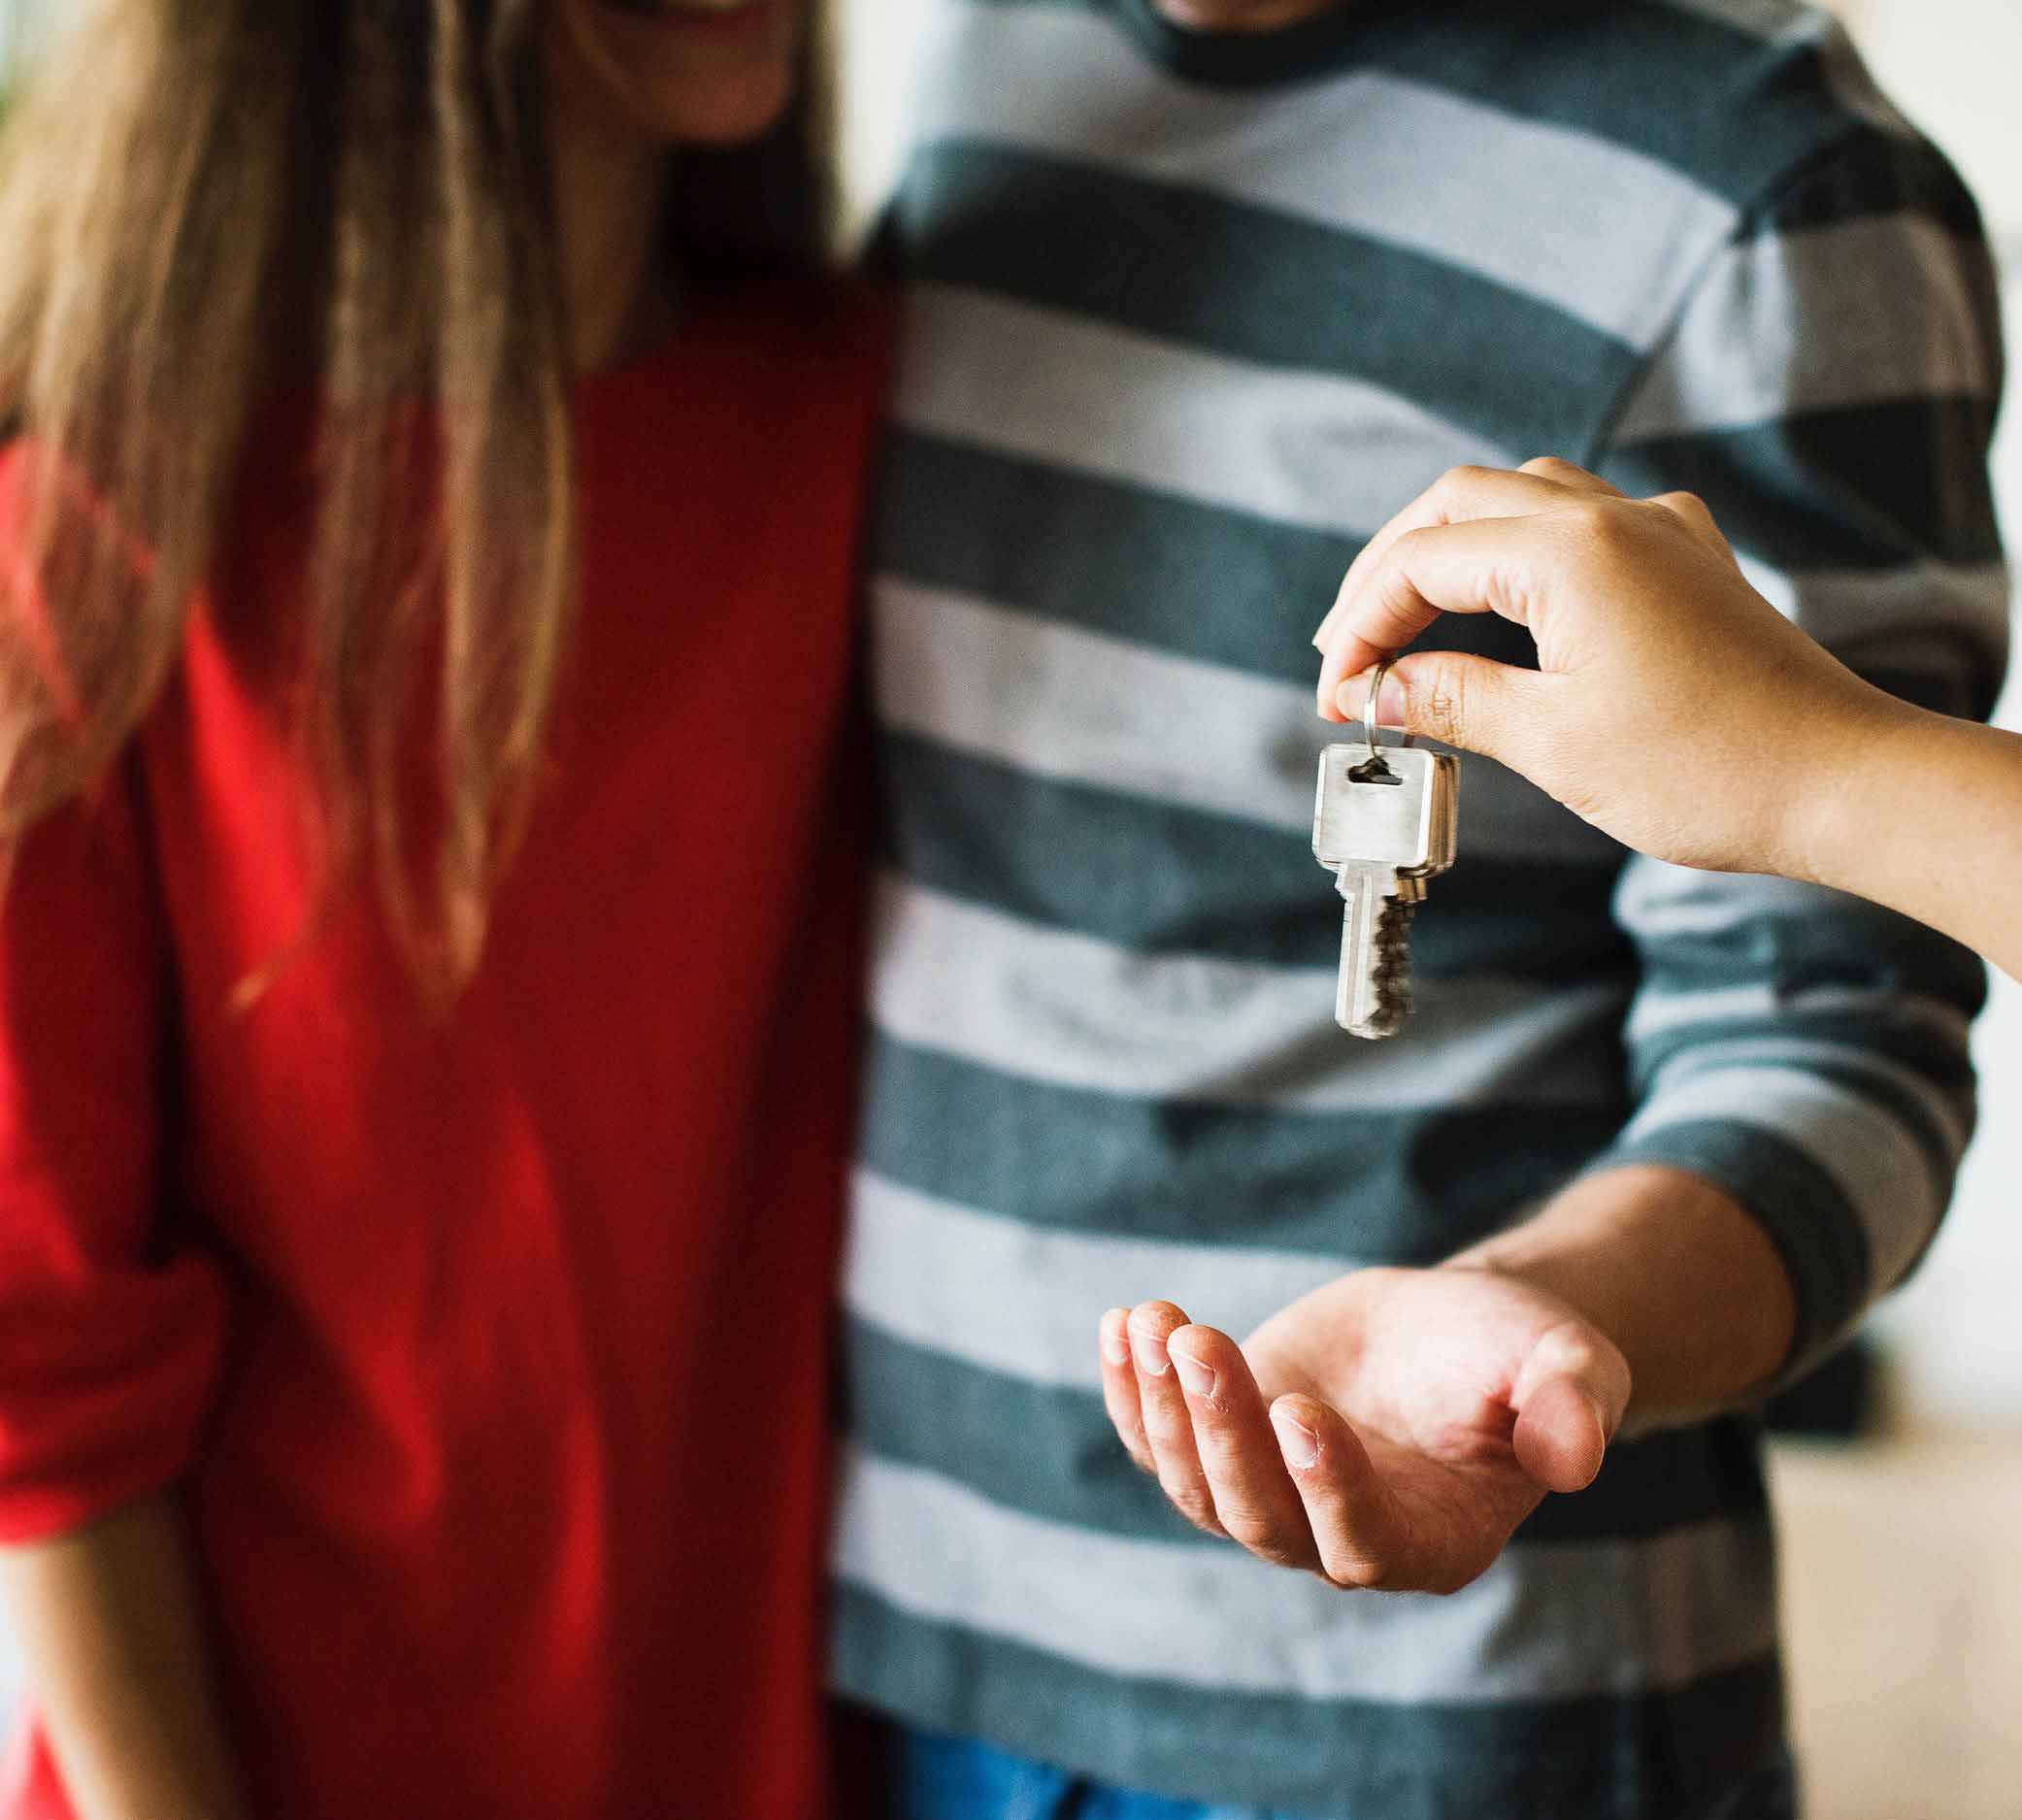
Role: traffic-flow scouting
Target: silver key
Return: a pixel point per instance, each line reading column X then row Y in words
column 1384, row 825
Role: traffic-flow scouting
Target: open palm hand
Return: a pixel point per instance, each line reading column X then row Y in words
column 1389, row 1429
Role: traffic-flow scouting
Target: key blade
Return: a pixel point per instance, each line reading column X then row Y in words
column 1373, row 996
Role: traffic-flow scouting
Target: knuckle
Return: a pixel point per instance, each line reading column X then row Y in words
column 1464, row 478
column 1438, row 701
column 1358, row 1574
column 1596, row 520
column 1193, row 1502
column 1411, row 546
column 1573, row 1347
column 1252, row 1527
column 1267, row 1539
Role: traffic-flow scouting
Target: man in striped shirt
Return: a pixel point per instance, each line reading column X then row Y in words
column 1192, row 312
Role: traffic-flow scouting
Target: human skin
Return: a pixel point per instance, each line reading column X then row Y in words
column 1393, row 1428
column 1390, row 1430
column 1649, row 643
column 111, row 1616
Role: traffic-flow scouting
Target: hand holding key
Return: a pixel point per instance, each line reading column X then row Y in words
column 1654, row 655
column 1388, row 1430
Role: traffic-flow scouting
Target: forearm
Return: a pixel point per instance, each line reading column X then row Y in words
column 1922, row 814
column 112, row 1623
column 1678, row 1274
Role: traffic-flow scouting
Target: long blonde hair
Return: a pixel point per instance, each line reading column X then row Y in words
column 201, row 197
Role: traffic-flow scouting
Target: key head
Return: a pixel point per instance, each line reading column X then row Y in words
column 1394, row 808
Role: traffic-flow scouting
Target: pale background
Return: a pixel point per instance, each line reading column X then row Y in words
column 1905, row 1591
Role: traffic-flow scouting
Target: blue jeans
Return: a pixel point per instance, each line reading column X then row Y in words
column 937, row 1777
column 929, row 1775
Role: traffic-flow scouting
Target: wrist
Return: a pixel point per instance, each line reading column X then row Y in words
column 1676, row 1273
column 1842, row 768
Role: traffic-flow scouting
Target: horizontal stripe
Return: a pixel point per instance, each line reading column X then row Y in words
column 1798, row 1202
column 1078, row 707
column 1959, row 614
column 1312, row 298
column 1742, row 112
column 1792, row 23
column 1923, row 1080
column 1943, row 1123
column 1659, row 902
column 1009, row 1297
column 1303, row 448
column 1062, row 1007
column 1062, row 703
column 1545, row 1621
column 1723, row 945
column 1793, row 322
column 1048, row 1451
column 1523, row 202
column 1659, row 1013
column 1691, row 1749
column 1427, row 1183
column 1887, row 167
column 1149, row 875
column 1224, row 587
column 1869, row 486
column 1003, row 1295
column 1879, row 1170
column 1221, row 586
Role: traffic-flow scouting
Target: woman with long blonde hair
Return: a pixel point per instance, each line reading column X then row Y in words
column 426, row 521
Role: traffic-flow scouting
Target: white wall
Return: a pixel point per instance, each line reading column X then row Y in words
column 879, row 37
column 23, row 23
column 1955, row 1334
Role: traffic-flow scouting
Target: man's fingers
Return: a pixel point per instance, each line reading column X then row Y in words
column 1358, row 1532
column 1570, row 1399
column 1255, row 1503
column 1459, row 495
column 1169, row 1425
column 1120, row 1387
column 1561, row 1435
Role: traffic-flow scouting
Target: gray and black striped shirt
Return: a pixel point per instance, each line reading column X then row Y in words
column 1188, row 319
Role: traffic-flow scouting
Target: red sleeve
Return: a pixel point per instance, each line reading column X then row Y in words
column 108, row 1342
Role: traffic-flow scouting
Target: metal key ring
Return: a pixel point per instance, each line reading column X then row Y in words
column 1369, row 708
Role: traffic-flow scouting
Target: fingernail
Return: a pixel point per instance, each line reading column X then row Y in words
column 1352, row 697
column 1115, row 1349
column 1298, row 1445
column 1151, row 1354
column 1198, row 1377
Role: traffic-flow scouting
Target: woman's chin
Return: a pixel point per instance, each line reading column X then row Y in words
column 681, row 74
column 729, row 114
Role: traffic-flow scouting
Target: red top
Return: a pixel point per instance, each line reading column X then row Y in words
column 495, row 1351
